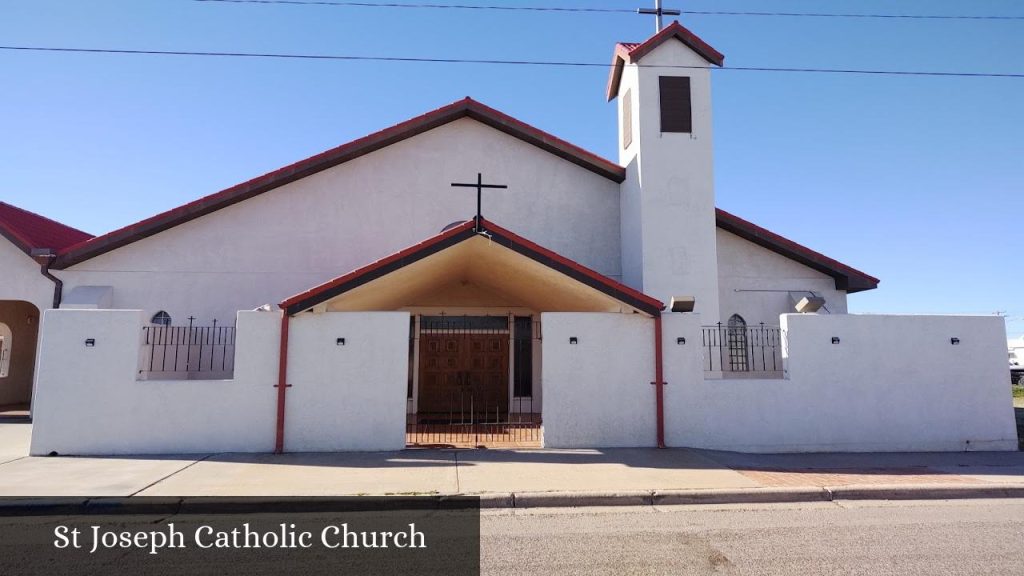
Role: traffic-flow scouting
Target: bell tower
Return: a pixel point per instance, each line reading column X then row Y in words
column 663, row 93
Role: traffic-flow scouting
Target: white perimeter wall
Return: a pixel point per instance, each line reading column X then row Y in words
column 350, row 397
column 598, row 393
column 893, row 383
column 88, row 400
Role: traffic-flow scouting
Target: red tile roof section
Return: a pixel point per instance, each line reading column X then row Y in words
column 847, row 278
column 632, row 52
column 28, row 230
column 461, row 109
column 308, row 299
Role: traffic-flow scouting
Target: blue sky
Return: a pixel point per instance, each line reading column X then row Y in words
column 918, row 181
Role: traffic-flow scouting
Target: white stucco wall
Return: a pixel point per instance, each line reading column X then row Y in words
column 598, row 393
column 88, row 400
column 20, row 278
column 292, row 238
column 755, row 282
column 893, row 383
column 351, row 397
column 668, row 200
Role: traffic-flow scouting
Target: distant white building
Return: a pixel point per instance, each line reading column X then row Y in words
column 406, row 316
column 1016, row 350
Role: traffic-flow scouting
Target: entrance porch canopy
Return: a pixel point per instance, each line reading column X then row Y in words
column 464, row 266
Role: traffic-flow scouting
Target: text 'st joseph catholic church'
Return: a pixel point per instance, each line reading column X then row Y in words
column 592, row 304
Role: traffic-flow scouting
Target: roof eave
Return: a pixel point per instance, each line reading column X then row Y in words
column 846, row 278
column 333, row 288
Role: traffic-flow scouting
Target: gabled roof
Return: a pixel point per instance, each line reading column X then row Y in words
column 847, row 278
column 467, row 108
column 631, row 52
column 28, row 230
column 457, row 235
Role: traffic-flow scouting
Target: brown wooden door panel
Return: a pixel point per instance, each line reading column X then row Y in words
column 457, row 367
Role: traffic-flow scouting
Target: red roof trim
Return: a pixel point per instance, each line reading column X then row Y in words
column 629, row 52
column 403, row 258
column 465, row 231
column 576, row 266
column 847, row 278
column 28, row 230
column 468, row 107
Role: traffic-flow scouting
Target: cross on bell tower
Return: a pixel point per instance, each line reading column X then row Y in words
column 479, row 185
column 658, row 12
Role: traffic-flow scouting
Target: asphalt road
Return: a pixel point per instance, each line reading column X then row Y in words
column 972, row 537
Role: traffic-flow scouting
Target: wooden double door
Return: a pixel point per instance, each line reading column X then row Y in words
column 464, row 376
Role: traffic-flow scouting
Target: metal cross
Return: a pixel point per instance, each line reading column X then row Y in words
column 479, row 193
column 658, row 12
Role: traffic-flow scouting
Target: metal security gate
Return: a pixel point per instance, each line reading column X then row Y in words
column 475, row 382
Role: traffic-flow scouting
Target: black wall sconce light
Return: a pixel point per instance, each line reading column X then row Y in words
column 954, row 341
column 835, row 339
column 90, row 342
column 339, row 342
column 680, row 341
column 574, row 340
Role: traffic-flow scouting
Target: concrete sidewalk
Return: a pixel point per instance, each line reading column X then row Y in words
column 518, row 477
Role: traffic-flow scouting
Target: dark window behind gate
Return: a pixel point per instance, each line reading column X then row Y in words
column 737, row 348
column 475, row 382
column 187, row 352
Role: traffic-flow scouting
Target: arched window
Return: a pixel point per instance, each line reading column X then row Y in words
column 161, row 318
column 5, row 349
column 737, row 338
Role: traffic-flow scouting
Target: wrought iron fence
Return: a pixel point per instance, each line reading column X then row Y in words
column 188, row 352
column 473, row 419
column 475, row 381
column 742, row 349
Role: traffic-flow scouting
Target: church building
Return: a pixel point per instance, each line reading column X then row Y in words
column 466, row 279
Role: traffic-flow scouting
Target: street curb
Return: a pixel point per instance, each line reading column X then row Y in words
column 926, row 492
column 54, row 506
column 740, row 496
column 576, row 499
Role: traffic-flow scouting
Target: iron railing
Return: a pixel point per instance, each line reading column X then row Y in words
column 742, row 349
column 476, row 382
column 188, row 352
column 475, row 419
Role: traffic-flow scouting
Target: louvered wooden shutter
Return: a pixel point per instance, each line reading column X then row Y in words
column 627, row 119
column 675, row 104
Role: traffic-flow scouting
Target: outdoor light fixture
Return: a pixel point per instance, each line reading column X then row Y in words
column 682, row 303
column 835, row 339
column 809, row 304
column 339, row 342
column 680, row 340
column 954, row 341
column 90, row 342
column 574, row 340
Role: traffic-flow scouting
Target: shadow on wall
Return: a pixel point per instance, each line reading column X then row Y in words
column 20, row 320
column 1019, row 412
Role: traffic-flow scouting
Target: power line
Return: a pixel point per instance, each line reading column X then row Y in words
column 354, row 58
column 345, row 4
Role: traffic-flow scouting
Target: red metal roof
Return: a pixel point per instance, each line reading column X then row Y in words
column 632, row 52
column 846, row 277
column 461, row 109
column 28, row 230
column 461, row 233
